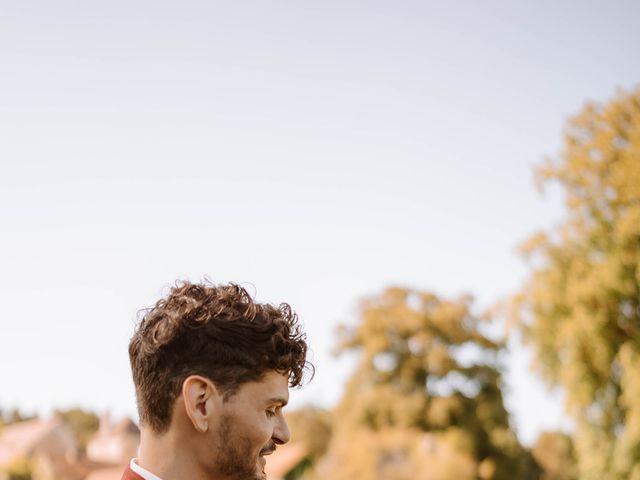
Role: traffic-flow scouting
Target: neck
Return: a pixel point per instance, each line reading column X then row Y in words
column 164, row 456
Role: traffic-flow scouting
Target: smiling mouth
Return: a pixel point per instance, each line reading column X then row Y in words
column 267, row 451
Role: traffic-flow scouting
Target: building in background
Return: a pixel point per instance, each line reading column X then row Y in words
column 112, row 447
column 47, row 448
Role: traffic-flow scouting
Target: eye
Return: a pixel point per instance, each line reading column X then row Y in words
column 271, row 412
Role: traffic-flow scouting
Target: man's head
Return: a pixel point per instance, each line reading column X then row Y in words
column 213, row 368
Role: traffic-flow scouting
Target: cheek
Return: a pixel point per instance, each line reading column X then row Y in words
column 264, row 428
column 257, row 429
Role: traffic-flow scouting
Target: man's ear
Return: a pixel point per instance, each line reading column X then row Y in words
column 201, row 399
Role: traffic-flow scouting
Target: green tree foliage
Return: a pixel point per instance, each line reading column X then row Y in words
column 553, row 452
column 425, row 396
column 581, row 305
column 83, row 424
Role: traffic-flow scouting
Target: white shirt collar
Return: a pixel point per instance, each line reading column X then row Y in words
column 147, row 475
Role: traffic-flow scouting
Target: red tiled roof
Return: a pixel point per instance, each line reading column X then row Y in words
column 20, row 439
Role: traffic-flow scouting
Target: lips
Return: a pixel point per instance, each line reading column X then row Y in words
column 268, row 450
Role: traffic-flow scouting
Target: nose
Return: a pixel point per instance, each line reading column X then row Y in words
column 281, row 434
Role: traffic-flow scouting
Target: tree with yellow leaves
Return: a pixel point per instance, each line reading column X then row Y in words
column 425, row 399
column 581, row 305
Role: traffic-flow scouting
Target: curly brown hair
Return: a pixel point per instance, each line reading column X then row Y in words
column 216, row 331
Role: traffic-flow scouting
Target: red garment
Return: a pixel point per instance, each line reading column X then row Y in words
column 130, row 475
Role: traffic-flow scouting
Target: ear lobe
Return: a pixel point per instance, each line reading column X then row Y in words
column 200, row 398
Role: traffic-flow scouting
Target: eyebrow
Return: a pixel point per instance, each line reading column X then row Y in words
column 280, row 400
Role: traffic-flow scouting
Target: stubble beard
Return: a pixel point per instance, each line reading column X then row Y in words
column 234, row 456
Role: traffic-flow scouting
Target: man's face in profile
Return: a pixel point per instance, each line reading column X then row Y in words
column 251, row 425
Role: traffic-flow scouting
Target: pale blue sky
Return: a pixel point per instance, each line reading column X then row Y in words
column 318, row 151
